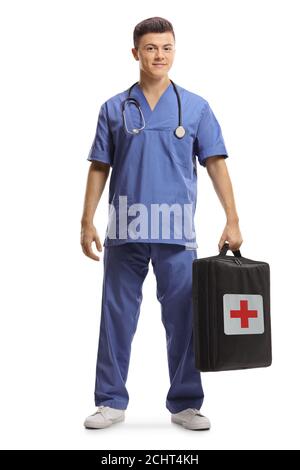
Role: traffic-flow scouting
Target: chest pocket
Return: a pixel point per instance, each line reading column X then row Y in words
column 181, row 149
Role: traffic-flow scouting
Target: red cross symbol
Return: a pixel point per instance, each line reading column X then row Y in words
column 244, row 314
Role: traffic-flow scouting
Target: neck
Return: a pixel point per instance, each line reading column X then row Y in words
column 153, row 85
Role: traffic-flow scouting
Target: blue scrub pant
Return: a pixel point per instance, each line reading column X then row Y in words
column 125, row 268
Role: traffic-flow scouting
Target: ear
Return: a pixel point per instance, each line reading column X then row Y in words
column 134, row 53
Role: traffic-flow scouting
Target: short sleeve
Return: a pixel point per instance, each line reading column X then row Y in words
column 102, row 147
column 209, row 141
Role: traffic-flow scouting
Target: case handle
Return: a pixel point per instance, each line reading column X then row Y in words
column 225, row 248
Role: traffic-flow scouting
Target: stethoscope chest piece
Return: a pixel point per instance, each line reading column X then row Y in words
column 179, row 132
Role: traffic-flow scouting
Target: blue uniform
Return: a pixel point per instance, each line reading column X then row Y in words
column 151, row 171
column 155, row 168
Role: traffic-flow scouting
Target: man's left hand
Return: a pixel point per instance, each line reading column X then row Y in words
column 232, row 235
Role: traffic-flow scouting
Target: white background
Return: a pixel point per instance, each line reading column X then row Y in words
column 59, row 61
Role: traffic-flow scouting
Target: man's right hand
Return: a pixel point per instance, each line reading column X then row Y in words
column 88, row 236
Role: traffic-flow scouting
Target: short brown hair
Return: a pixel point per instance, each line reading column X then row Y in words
column 156, row 24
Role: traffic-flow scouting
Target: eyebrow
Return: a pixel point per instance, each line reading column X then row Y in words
column 150, row 44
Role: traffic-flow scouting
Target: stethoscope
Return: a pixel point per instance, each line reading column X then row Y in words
column 179, row 131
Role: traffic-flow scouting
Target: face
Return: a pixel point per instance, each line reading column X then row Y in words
column 155, row 53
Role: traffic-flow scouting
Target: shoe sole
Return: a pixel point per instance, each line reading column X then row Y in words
column 103, row 426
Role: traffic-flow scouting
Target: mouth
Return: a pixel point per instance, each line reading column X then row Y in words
column 159, row 65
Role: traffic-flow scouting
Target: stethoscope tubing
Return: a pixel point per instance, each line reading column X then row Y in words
column 179, row 131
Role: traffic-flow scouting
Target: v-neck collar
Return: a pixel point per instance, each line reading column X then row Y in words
column 151, row 111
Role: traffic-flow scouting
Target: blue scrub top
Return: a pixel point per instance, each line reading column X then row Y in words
column 154, row 172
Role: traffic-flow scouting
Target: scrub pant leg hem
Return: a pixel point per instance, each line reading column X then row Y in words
column 184, row 405
column 119, row 405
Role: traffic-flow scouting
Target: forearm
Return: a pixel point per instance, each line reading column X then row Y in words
column 218, row 172
column 96, row 180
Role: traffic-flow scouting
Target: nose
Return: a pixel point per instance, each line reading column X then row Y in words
column 159, row 53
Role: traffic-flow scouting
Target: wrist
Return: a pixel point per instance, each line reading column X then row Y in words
column 233, row 220
column 86, row 221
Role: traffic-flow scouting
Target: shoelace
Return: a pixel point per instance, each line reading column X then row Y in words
column 196, row 412
column 100, row 409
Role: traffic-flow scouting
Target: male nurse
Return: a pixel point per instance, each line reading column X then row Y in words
column 151, row 137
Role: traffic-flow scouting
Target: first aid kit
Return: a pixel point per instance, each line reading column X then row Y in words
column 231, row 312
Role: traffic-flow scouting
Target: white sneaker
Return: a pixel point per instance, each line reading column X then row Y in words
column 105, row 416
column 191, row 418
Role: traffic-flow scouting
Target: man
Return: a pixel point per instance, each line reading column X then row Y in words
column 152, row 141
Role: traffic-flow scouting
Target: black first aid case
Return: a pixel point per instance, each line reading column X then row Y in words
column 231, row 312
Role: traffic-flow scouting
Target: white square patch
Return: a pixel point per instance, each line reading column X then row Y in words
column 243, row 314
